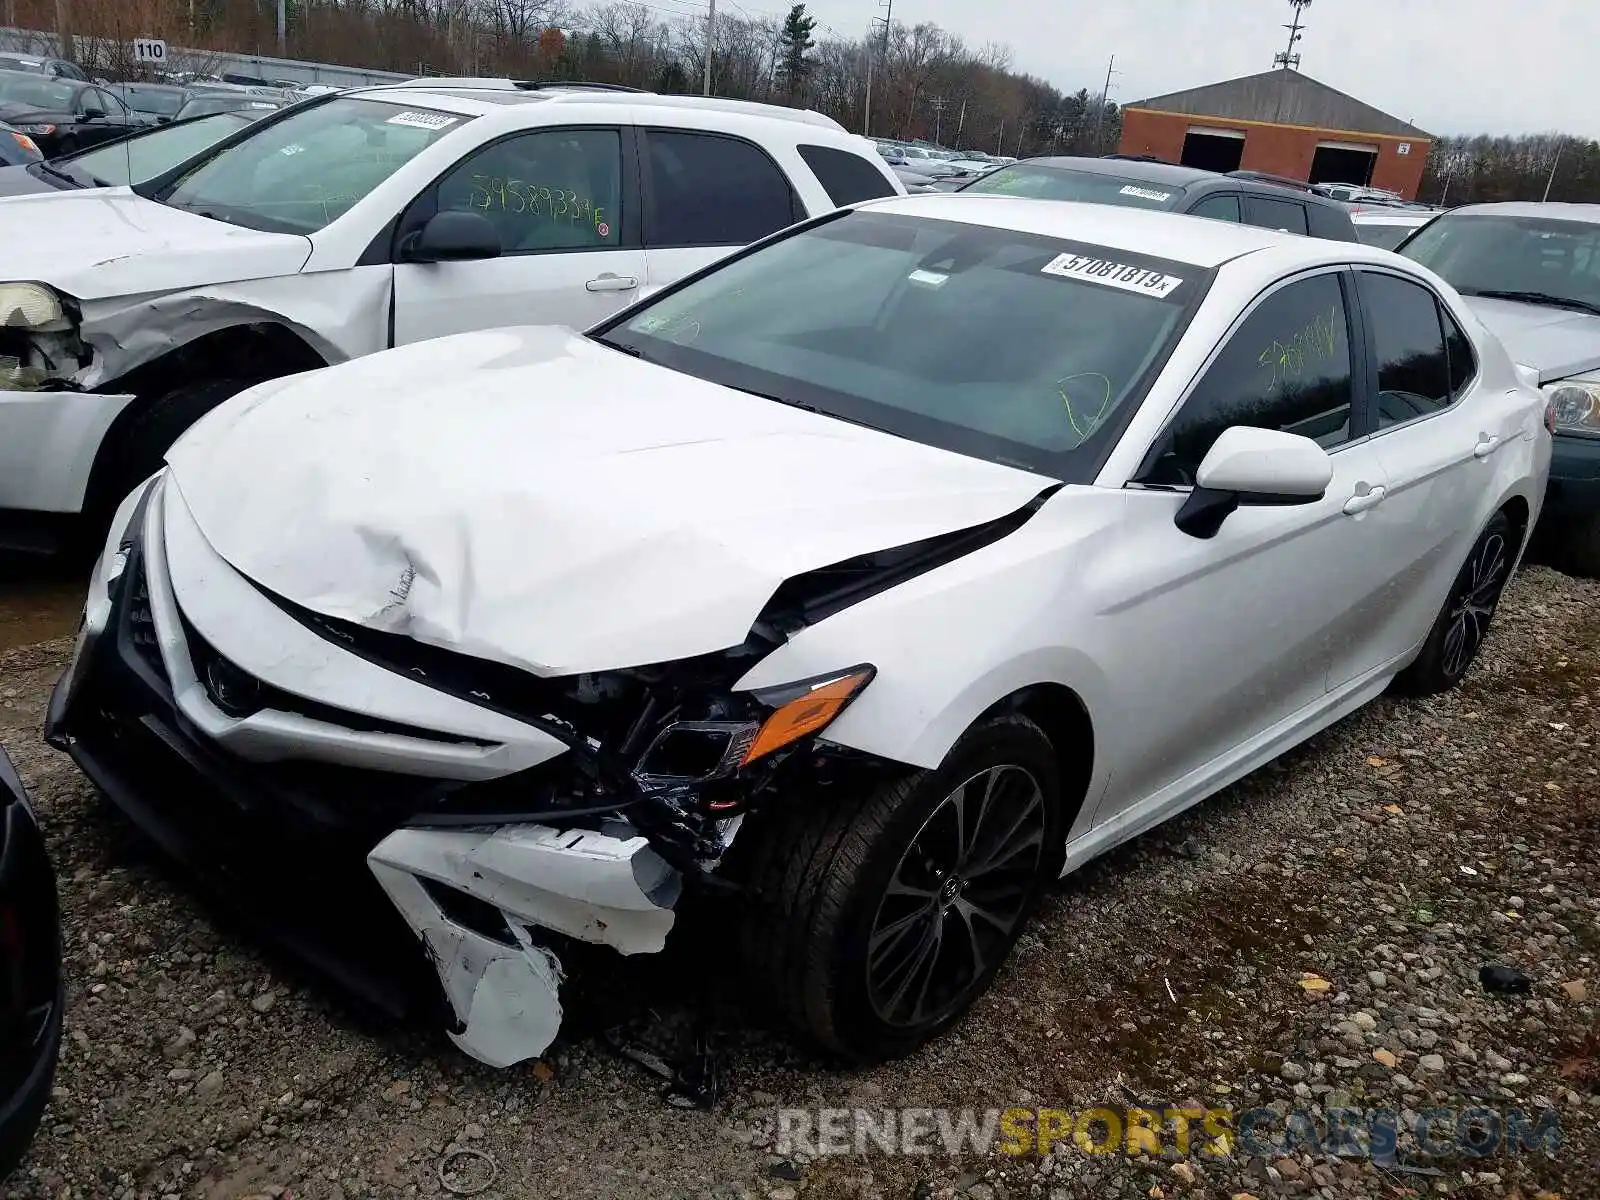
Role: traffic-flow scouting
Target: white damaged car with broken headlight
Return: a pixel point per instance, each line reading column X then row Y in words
column 863, row 583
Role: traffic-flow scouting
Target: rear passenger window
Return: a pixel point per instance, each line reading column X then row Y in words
column 1408, row 342
column 846, row 177
column 1463, row 361
column 713, row 191
column 1223, row 206
column 1286, row 367
column 1270, row 213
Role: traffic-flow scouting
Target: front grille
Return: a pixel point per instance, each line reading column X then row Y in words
column 141, row 624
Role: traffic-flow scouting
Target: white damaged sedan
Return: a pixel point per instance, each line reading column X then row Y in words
column 865, row 582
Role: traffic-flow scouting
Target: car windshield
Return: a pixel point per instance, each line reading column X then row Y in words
column 1092, row 187
column 160, row 102
column 304, row 170
column 1009, row 346
column 36, row 91
column 199, row 106
column 1543, row 259
column 147, row 155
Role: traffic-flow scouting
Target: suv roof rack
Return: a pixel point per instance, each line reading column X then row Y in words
column 534, row 85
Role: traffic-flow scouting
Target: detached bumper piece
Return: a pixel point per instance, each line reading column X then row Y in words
column 442, row 925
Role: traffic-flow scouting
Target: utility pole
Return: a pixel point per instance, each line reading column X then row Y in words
column 961, row 122
column 64, row 30
column 1549, row 183
column 937, row 103
column 711, row 28
column 1105, row 95
column 283, row 28
column 887, row 21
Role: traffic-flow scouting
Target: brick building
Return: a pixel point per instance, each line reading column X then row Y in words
column 1281, row 122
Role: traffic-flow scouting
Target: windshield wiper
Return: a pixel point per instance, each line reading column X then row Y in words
column 56, row 173
column 1546, row 298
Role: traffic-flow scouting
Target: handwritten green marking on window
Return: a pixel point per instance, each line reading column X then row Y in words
column 1307, row 348
column 490, row 192
column 1080, row 392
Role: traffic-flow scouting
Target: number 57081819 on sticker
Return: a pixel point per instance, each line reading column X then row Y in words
column 1113, row 274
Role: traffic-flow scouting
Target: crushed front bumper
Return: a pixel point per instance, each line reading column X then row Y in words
column 437, row 924
column 48, row 443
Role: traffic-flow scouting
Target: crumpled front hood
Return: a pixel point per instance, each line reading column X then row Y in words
column 1557, row 342
column 101, row 242
column 529, row 496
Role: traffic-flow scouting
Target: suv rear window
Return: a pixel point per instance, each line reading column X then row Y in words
column 1091, row 187
column 846, row 177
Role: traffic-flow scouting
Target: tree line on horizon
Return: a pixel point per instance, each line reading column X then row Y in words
column 924, row 82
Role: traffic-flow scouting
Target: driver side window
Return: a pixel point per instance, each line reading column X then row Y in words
column 557, row 189
column 1286, row 367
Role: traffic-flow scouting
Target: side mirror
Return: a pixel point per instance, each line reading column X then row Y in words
column 453, row 236
column 1253, row 466
column 94, row 114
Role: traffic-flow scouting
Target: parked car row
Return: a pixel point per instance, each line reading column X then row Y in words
column 574, row 683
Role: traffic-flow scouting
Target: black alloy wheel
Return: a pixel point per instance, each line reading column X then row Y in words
column 952, row 907
column 1459, row 631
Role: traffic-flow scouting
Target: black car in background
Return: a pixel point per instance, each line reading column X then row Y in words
column 31, row 994
column 1171, row 188
column 54, row 68
column 62, row 115
column 155, row 102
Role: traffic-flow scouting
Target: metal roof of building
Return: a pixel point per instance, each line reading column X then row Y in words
column 1283, row 97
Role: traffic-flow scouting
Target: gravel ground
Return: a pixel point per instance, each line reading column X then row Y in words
column 1390, row 857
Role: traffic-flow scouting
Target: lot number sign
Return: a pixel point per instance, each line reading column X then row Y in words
column 149, row 50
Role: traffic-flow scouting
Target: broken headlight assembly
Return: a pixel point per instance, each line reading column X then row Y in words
column 38, row 341
column 705, row 751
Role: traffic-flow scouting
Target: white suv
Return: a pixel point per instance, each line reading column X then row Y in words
column 359, row 221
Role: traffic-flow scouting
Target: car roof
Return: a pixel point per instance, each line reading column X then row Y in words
column 477, row 97
column 1126, row 168
column 1531, row 208
column 1195, row 240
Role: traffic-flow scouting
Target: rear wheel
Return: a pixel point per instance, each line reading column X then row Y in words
column 882, row 917
column 1462, row 625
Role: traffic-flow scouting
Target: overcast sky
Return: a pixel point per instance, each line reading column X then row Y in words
column 1473, row 66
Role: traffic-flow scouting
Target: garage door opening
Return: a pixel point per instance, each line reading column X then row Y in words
column 1213, row 150
column 1334, row 163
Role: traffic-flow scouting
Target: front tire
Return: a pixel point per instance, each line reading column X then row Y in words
column 1463, row 623
column 879, row 919
column 142, row 444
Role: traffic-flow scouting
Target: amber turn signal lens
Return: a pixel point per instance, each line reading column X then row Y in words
column 807, row 714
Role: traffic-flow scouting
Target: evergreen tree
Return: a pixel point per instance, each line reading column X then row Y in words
column 794, row 44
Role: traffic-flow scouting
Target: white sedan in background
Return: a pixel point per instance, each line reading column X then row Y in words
column 872, row 578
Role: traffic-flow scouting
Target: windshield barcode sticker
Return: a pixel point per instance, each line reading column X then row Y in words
column 422, row 120
column 1146, row 193
column 1113, row 274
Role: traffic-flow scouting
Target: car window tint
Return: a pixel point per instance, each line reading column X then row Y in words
column 1271, row 213
column 1221, row 206
column 713, row 191
column 558, row 189
column 1408, row 343
column 1463, row 360
column 1287, row 367
column 846, row 177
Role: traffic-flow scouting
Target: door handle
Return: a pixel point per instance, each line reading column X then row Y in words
column 1486, row 446
column 1361, row 501
column 612, row 283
